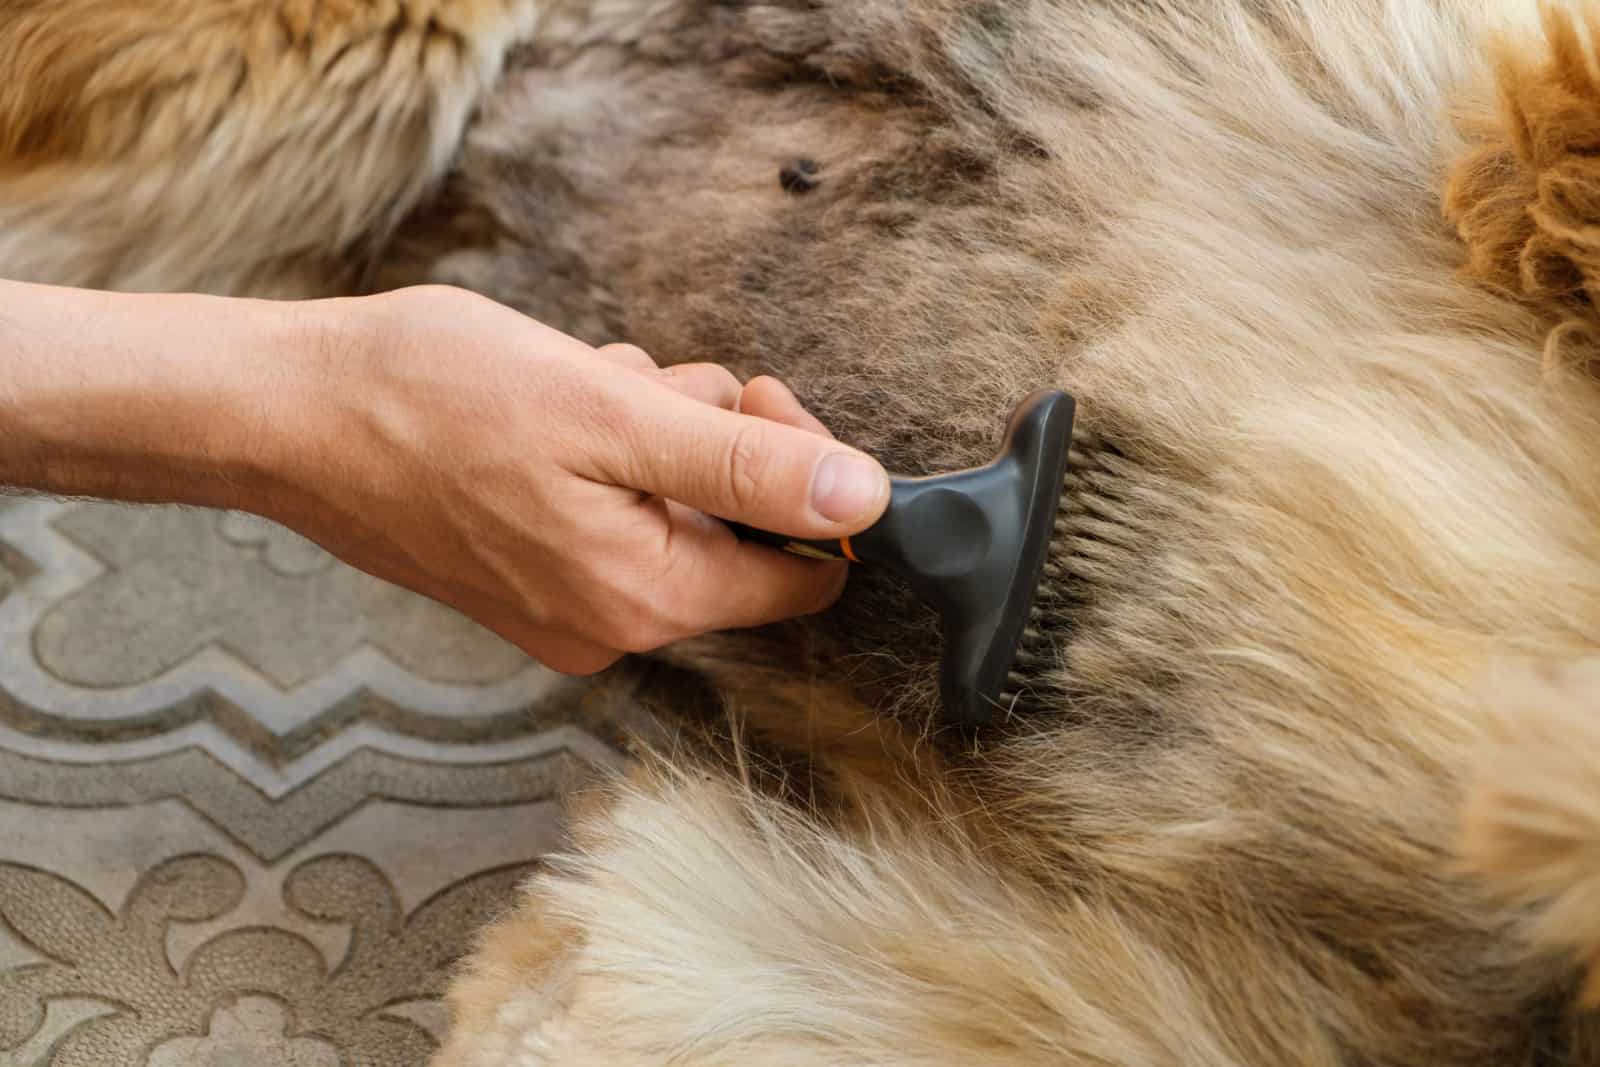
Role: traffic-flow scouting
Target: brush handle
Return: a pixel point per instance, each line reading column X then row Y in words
column 879, row 543
column 932, row 528
column 797, row 546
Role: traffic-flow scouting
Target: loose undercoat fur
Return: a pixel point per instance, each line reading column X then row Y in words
column 1314, row 778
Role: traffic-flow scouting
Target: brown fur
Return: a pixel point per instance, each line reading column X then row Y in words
column 1330, row 492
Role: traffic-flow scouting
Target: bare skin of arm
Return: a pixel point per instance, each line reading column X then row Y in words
column 558, row 493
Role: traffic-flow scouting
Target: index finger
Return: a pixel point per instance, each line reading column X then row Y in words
column 717, row 582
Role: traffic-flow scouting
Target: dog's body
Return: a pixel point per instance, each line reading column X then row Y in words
column 1331, row 576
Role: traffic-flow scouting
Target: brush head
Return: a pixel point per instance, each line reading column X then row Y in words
column 973, row 545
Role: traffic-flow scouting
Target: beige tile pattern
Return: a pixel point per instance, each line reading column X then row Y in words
column 253, row 803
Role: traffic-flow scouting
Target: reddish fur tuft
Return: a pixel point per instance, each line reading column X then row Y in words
column 1526, row 199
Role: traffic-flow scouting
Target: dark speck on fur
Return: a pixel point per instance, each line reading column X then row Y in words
column 799, row 176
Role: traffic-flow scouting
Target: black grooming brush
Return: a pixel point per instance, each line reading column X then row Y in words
column 972, row 545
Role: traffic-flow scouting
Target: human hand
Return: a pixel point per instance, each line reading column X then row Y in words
column 559, row 494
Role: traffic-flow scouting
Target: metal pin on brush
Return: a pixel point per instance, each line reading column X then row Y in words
column 972, row 544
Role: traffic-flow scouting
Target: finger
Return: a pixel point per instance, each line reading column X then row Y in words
column 735, row 466
column 716, row 582
column 709, row 383
column 630, row 356
column 768, row 398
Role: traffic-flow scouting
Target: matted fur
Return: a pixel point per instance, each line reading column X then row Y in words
column 1330, row 494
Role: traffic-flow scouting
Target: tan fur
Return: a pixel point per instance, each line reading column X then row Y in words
column 1532, row 822
column 1343, row 486
column 230, row 145
column 1329, row 494
column 795, row 946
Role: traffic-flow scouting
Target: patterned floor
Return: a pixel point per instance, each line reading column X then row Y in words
column 252, row 802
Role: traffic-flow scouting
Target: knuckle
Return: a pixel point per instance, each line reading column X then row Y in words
column 632, row 355
column 634, row 622
column 709, row 382
column 721, row 375
column 745, row 466
column 604, row 414
column 446, row 298
column 639, row 632
column 730, row 385
column 676, row 619
column 662, row 616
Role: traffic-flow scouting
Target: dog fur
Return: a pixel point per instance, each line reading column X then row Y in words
column 1310, row 777
column 230, row 145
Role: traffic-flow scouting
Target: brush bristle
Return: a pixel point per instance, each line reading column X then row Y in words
column 1096, row 530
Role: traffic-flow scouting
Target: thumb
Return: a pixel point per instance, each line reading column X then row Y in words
column 747, row 469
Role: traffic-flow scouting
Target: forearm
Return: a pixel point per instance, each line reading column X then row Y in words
column 559, row 494
column 148, row 398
